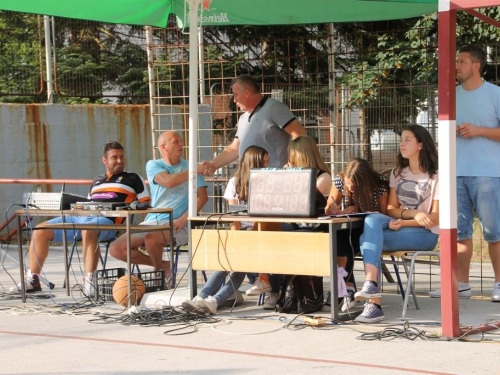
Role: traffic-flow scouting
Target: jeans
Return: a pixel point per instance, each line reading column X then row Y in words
column 481, row 194
column 221, row 293
column 377, row 237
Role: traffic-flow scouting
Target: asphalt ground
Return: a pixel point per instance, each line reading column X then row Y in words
column 56, row 333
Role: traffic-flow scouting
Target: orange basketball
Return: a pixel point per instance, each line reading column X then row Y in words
column 120, row 290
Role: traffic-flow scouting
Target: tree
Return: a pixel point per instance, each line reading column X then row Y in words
column 20, row 58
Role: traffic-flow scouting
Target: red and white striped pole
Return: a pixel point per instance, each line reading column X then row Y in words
column 447, row 169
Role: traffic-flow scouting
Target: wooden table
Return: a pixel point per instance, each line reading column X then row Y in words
column 128, row 227
column 264, row 251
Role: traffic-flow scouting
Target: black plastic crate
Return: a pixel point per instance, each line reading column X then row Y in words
column 154, row 281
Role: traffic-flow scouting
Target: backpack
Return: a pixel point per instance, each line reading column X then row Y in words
column 300, row 295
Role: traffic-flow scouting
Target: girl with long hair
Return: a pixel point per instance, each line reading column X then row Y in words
column 358, row 188
column 214, row 294
column 412, row 220
column 302, row 152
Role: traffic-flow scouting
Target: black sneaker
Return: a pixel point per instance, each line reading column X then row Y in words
column 31, row 283
column 328, row 299
column 348, row 302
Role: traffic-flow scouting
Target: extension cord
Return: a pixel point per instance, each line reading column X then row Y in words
column 316, row 322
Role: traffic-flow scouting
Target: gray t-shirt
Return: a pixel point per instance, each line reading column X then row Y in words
column 264, row 127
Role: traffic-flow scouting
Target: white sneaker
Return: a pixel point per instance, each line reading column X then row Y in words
column 495, row 296
column 31, row 283
column 209, row 303
column 270, row 301
column 193, row 305
column 259, row 287
column 463, row 293
column 88, row 285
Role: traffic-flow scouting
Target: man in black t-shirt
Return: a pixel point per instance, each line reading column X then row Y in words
column 116, row 185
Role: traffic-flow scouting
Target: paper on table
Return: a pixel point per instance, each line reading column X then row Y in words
column 354, row 214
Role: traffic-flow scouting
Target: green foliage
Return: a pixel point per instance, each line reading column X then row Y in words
column 19, row 57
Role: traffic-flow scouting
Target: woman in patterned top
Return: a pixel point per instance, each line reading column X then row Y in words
column 412, row 214
column 357, row 189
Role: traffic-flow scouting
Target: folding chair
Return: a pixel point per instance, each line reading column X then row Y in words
column 408, row 259
column 102, row 258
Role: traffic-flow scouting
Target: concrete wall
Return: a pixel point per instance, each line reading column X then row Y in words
column 65, row 142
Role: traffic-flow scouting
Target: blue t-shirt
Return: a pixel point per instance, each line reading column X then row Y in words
column 478, row 156
column 162, row 197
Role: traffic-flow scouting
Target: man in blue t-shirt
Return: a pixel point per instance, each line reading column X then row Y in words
column 168, row 181
column 478, row 165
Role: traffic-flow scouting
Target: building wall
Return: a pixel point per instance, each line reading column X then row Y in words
column 65, row 142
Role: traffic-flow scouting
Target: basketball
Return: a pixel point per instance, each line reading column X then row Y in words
column 120, row 290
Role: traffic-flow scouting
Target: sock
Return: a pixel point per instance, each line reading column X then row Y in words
column 264, row 278
column 378, row 306
column 463, row 286
column 373, row 282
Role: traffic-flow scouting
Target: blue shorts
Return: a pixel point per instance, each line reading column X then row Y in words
column 482, row 195
column 76, row 235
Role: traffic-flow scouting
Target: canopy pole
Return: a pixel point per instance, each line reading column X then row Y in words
column 153, row 112
column 48, row 60
column 200, row 65
column 447, row 170
column 193, row 104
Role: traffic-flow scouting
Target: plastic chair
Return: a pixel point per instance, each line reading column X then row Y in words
column 408, row 259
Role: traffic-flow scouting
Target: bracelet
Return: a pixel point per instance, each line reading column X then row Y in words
column 404, row 209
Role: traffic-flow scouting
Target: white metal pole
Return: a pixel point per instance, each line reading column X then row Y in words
column 200, row 65
column 193, row 104
column 48, row 60
column 155, row 120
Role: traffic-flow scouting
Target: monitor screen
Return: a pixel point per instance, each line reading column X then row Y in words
column 282, row 192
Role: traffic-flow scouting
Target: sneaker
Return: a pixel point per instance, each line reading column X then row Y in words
column 259, row 287
column 230, row 302
column 369, row 291
column 88, row 285
column 349, row 301
column 328, row 300
column 462, row 294
column 270, row 301
column 371, row 314
column 192, row 305
column 31, row 283
column 495, row 296
column 209, row 304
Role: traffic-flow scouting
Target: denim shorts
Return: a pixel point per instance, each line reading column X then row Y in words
column 482, row 195
column 76, row 235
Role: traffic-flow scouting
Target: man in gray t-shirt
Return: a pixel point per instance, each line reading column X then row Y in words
column 266, row 122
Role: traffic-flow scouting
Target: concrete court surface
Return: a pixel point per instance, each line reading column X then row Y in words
column 37, row 338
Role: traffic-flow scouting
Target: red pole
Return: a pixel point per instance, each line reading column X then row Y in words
column 447, row 171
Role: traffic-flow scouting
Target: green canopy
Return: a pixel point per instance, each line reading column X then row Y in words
column 268, row 12
column 223, row 12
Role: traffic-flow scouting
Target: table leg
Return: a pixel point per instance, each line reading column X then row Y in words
column 171, row 219
column 193, row 288
column 21, row 258
column 129, row 255
column 334, row 288
column 66, row 260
